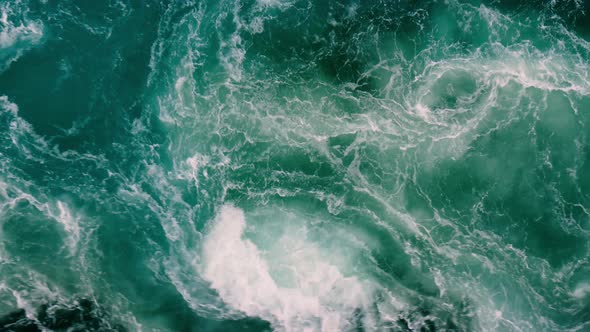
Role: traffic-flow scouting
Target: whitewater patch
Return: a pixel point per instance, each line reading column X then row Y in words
column 17, row 33
column 297, row 288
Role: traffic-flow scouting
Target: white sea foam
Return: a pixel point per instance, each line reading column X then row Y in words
column 29, row 144
column 17, row 32
column 71, row 225
column 295, row 285
column 21, row 133
column 279, row 285
column 11, row 34
column 280, row 4
column 582, row 290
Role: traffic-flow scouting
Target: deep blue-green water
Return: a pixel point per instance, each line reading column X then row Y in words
column 294, row 165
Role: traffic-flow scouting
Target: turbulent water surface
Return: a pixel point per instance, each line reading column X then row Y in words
column 294, row 165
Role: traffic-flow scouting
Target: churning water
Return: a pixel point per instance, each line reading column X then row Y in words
column 294, row 165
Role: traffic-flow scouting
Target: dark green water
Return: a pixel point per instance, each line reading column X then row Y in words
column 294, row 165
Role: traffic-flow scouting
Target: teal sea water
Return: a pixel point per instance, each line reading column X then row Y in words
column 294, row 165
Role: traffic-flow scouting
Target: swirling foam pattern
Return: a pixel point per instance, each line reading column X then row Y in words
column 295, row 165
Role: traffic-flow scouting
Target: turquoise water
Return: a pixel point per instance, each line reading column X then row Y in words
column 294, row 165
